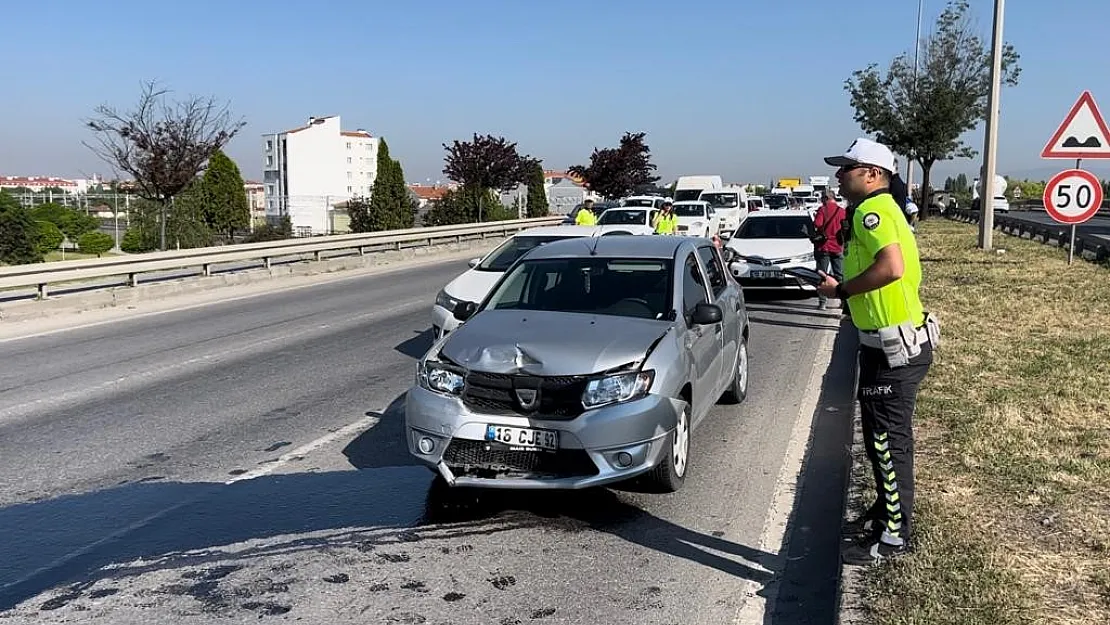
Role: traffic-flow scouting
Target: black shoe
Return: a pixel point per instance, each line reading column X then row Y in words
column 864, row 526
column 871, row 551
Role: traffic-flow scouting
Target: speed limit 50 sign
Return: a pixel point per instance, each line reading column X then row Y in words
column 1073, row 196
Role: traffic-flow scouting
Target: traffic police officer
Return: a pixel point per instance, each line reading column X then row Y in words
column 882, row 272
column 586, row 216
column 665, row 221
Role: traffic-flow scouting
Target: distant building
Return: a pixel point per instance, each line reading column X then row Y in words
column 308, row 171
column 256, row 200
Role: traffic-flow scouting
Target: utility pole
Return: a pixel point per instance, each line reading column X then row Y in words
column 990, row 157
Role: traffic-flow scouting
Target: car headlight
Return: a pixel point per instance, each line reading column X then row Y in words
column 804, row 258
column 617, row 388
column 437, row 377
column 446, row 301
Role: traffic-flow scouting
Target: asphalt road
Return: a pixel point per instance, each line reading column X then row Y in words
column 243, row 460
column 1097, row 226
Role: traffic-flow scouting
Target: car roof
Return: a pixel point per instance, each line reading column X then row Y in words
column 631, row 246
column 690, row 202
column 567, row 231
column 789, row 212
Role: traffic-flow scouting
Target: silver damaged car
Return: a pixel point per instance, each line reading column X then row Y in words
column 590, row 362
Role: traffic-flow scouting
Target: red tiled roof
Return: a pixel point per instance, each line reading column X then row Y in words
column 356, row 133
column 429, row 193
column 35, row 181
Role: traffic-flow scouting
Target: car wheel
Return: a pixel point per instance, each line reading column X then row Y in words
column 671, row 473
column 738, row 389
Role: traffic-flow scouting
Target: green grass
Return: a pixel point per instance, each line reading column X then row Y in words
column 1013, row 454
column 53, row 256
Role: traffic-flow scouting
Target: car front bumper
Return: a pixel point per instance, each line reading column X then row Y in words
column 590, row 445
column 744, row 275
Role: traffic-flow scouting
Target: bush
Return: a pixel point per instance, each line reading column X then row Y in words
column 132, row 242
column 48, row 237
column 94, row 243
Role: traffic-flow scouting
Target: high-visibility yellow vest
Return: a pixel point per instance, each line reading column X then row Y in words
column 666, row 225
column 586, row 217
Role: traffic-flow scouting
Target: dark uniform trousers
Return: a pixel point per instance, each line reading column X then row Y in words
column 887, row 398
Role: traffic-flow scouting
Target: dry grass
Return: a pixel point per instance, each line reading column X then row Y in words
column 1013, row 451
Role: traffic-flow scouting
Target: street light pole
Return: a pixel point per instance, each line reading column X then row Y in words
column 990, row 157
column 916, row 54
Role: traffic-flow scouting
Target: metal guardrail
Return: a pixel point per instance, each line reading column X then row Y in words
column 41, row 275
column 1089, row 247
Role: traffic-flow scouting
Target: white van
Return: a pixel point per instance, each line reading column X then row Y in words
column 691, row 187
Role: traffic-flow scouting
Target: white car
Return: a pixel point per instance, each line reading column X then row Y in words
column 627, row 220
column 696, row 218
column 644, row 201
column 473, row 284
column 770, row 241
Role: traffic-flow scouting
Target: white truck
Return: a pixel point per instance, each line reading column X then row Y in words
column 1000, row 204
column 691, row 187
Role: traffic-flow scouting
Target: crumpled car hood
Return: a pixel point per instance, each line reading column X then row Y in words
column 550, row 343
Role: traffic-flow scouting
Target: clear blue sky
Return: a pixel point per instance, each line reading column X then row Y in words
column 748, row 89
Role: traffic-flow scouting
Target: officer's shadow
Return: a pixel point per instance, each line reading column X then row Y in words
column 603, row 510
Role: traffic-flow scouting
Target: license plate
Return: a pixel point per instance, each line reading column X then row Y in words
column 766, row 273
column 683, row 228
column 523, row 438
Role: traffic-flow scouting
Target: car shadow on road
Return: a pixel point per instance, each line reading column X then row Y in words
column 416, row 346
column 762, row 320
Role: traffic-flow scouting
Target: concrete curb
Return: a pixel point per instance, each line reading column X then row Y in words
column 853, row 610
column 274, row 278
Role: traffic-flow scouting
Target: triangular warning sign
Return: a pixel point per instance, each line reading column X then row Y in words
column 1082, row 135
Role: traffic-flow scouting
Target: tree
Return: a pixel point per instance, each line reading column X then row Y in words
column 389, row 206
column 466, row 205
column 48, row 237
column 486, row 162
column 617, row 172
column 162, row 145
column 225, row 207
column 537, row 196
column 17, row 233
column 73, row 223
column 95, row 242
column 924, row 116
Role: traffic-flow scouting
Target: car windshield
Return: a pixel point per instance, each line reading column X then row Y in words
column 616, row 216
column 776, row 201
column 508, row 252
column 793, row 227
column 640, row 201
column 689, row 210
column 623, row 287
column 721, row 200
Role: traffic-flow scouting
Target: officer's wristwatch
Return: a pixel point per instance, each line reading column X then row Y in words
column 840, row 293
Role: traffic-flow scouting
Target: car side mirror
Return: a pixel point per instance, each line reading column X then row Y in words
column 465, row 310
column 707, row 314
column 729, row 255
column 474, row 262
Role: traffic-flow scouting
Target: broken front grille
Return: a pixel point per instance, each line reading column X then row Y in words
column 556, row 397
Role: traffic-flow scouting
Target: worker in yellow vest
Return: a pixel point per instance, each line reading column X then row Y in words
column 665, row 222
column 586, row 216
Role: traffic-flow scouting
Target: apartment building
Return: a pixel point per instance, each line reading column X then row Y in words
column 310, row 170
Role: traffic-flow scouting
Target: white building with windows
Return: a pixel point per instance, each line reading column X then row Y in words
column 307, row 171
